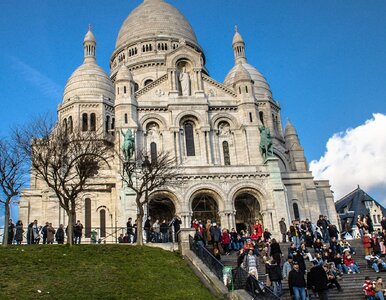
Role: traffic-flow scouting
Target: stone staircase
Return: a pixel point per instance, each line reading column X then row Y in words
column 351, row 283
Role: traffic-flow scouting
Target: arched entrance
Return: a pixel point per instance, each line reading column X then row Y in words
column 204, row 207
column 162, row 208
column 247, row 211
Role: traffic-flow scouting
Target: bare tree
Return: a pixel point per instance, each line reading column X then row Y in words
column 65, row 161
column 144, row 177
column 11, row 179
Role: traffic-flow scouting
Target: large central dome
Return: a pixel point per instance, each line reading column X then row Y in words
column 154, row 18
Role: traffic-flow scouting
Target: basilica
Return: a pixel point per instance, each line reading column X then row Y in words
column 159, row 88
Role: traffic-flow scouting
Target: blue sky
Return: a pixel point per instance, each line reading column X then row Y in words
column 324, row 60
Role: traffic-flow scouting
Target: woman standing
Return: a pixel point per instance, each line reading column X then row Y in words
column 19, row 232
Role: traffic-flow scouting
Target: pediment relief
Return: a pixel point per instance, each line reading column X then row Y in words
column 216, row 89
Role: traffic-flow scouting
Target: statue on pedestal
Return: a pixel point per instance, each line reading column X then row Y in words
column 128, row 146
column 185, row 82
column 266, row 147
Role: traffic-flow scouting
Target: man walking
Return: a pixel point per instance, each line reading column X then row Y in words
column 297, row 283
column 283, row 230
column 78, row 228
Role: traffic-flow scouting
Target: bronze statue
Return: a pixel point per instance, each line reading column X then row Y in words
column 266, row 147
column 128, row 146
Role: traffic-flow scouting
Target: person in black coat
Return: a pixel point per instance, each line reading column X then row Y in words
column 274, row 274
column 298, row 257
column 318, row 281
column 59, row 235
column 275, row 251
column 297, row 283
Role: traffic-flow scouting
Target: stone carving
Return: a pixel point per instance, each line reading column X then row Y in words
column 128, row 146
column 159, row 92
column 212, row 92
column 182, row 41
column 266, row 147
column 185, row 82
column 224, row 129
column 153, row 130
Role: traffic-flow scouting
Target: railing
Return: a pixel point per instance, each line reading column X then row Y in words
column 207, row 258
column 105, row 235
column 240, row 279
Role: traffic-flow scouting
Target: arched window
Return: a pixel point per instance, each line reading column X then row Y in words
column 113, row 124
column 136, row 87
column 239, row 90
column 147, row 82
column 124, row 89
column 189, row 139
column 87, row 217
column 296, row 211
column 126, row 119
column 261, row 116
column 153, row 152
column 225, row 149
column 246, row 89
column 102, row 222
column 92, row 122
column 64, row 126
column 107, row 123
column 70, row 125
column 84, row 122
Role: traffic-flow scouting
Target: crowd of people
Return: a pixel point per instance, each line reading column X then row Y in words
column 37, row 234
column 319, row 270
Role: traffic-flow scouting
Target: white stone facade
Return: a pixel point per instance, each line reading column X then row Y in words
column 212, row 131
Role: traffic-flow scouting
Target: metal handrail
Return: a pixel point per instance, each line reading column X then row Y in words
column 207, row 258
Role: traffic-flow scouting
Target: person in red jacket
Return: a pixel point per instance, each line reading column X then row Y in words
column 369, row 288
column 254, row 236
column 259, row 229
column 350, row 264
column 225, row 241
column 367, row 244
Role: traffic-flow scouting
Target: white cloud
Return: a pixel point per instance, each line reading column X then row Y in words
column 356, row 156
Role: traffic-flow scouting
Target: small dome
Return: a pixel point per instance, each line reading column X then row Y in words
column 89, row 80
column 260, row 84
column 89, row 37
column 241, row 74
column 124, row 74
column 237, row 38
column 155, row 18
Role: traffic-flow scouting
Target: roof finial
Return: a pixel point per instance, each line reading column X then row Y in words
column 236, row 29
column 89, row 27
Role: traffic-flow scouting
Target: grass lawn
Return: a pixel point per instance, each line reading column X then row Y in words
column 96, row 272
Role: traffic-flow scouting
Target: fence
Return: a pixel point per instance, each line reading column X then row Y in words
column 239, row 278
column 106, row 235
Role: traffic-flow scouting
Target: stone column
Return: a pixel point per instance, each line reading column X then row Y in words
column 183, row 239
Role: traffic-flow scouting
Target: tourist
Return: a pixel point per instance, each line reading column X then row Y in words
column 216, row 253
column 126, row 238
column 147, row 227
column 251, row 264
column 11, row 232
column 78, row 228
column 275, row 276
column 215, row 233
column 199, row 242
column 19, row 232
column 120, row 239
column 294, row 234
column 376, row 262
column 275, row 251
column 30, row 235
column 156, row 231
column 331, row 277
column 225, row 241
column 379, row 289
column 50, row 234
column 366, row 240
column 36, row 232
column 59, row 235
column 287, row 267
column 297, row 283
column 283, row 230
column 338, row 262
column 318, row 281
column 44, row 233
column 305, row 252
column 176, row 222
column 130, row 230
column 369, row 288
column 267, row 235
column 207, row 235
column 164, row 229
column 259, row 228
column 350, row 264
